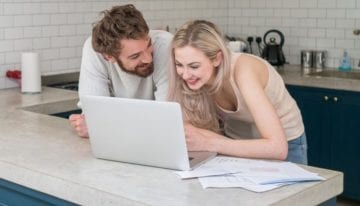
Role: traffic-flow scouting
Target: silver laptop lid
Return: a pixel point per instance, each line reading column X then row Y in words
column 136, row 131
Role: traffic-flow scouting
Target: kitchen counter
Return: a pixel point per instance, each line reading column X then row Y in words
column 295, row 75
column 41, row 152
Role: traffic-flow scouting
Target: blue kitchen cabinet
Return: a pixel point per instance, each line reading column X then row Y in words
column 332, row 125
column 13, row 194
column 346, row 142
column 316, row 116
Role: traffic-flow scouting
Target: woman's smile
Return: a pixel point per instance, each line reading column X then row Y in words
column 192, row 81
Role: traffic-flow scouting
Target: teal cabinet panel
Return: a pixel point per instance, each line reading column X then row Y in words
column 316, row 119
column 346, row 143
column 13, row 194
column 332, row 126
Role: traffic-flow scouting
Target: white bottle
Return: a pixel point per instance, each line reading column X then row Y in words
column 30, row 73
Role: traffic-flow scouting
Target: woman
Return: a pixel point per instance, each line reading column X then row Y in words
column 234, row 104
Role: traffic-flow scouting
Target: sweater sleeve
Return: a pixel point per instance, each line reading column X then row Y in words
column 94, row 77
column 161, row 63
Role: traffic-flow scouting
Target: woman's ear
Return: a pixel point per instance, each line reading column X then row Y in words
column 109, row 58
column 218, row 59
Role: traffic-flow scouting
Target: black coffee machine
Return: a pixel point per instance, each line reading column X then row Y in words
column 272, row 51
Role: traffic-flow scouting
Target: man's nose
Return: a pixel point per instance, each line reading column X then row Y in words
column 147, row 57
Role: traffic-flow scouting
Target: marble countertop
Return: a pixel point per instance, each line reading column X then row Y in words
column 42, row 152
column 295, row 75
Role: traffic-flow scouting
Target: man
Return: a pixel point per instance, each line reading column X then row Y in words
column 123, row 58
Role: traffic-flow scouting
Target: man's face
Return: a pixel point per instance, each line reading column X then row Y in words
column 136, row 56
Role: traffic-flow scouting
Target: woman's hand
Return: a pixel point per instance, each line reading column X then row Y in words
column 77, row 121
column 198, row 139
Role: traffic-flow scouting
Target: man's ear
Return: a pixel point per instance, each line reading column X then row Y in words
column 218, row 59
column 109, row 58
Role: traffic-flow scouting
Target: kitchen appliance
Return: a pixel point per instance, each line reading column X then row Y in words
column 237, row 44
column 306, row 58
column 319, row 58
column 272, row 51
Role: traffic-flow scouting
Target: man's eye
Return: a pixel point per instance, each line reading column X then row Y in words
column 134, row 57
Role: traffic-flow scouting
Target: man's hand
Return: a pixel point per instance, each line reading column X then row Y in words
column 77, row 121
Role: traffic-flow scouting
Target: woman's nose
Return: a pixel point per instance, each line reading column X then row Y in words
column 186, row 74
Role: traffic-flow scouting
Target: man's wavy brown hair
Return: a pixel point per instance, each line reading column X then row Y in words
column 120, row 22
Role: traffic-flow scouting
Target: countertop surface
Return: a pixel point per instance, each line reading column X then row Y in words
column 42, row 152
column 295, row 75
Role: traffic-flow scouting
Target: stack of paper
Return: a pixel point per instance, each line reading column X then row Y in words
column 250, row 174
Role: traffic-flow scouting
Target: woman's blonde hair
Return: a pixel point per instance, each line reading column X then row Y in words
column 198, row 106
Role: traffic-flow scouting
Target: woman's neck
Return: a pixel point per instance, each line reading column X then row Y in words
column 225, row 97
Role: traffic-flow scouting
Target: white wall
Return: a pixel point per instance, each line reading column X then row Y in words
column 306, row 24
column 57, row 28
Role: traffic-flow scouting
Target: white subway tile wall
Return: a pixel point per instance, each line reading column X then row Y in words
column 57, row 28
column 306, row 24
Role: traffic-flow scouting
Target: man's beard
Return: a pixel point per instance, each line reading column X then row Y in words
column 139, row 69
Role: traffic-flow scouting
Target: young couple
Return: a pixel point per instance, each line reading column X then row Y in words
column 233, row 104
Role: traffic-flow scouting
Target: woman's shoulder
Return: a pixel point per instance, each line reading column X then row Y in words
column 247, row 62
column 249, row 66
column 245, row 59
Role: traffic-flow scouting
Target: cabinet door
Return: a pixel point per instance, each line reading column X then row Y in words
column 316, row 113
column 332, row 125
column 14, row 194
column 346, row 139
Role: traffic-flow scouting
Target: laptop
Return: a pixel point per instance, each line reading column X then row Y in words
column 144, row 132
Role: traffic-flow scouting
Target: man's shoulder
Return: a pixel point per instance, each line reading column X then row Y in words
column 88, row 45
column 88, row 40
column 160, row 36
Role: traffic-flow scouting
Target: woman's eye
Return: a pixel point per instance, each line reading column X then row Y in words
column 178, row 65
column 194, row 67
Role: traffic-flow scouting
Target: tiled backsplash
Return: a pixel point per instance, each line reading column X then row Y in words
column 306, row 24
column 57, row 29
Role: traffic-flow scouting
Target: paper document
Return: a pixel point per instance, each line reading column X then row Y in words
column 282, row 172
column 251, row 174
column 216, row 166
column 235, row 180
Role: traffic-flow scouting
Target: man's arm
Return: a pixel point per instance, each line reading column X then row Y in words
column 94, row 80
column 94, row 77
column 162, row 40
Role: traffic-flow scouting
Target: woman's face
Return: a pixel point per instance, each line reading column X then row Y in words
column 194, row 67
